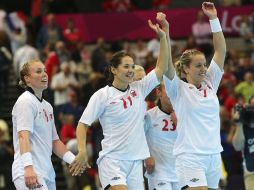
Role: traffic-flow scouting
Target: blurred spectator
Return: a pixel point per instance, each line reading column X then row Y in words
column 61, row 51
column 227, row 84
column 84, row 68
column 61, row 82
column 246, row 30
column 85, row 54
column 98, row 57
column 49, row 33
column 153, row 47
column 126, row 46
column 246, row 87
column 232, row 59
column 6, row 157
column 190, row 43
column 5, row 64
column 160, row 4
column 69, row 115
column 150, row 62
column 251, row 20
column 243, row 66
column 96, row 81
column 16, row 29
column 140, row 52
column 71, row 35
column 202, row 33
column 52, row 62
column 232, row 99
column 22, row 55
column 2, row 16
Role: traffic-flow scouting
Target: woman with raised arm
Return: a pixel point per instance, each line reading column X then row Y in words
column 192, row 90
column 119, row 109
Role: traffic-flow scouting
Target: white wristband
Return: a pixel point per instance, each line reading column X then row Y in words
column 68, row 157
column 215, row 25
column 26, row 159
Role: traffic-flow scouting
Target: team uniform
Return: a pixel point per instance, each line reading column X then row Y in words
column 197, row 145
column 36, row 116
column 121, row 114
column 161, row 135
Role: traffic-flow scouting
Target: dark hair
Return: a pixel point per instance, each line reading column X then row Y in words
column 185, row 59
column 115, row 61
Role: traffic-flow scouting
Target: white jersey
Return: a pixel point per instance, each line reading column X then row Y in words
column 121, row 115
column 35, row 116
column 197, row 110
column 161, row 135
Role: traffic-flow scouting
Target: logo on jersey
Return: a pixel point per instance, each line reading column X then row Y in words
column 209, row 87
column 45, row 115
column 155, row 125
column 194, row 180
column 161, row 184
column 115, row 178
column 133, row 93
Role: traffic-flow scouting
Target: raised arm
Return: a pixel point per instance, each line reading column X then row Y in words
column 81, row 161
column 218, row 37
column 162, row 61
column 161, row 18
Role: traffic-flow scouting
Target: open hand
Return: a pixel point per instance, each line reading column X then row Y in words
column 80, row 164
column 156, row 28
column 31, row 179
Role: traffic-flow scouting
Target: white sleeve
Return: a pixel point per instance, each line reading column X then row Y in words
column 25, row 119
column 148, row 83
column 54, row 132
column 171, row 87
column 94, row 109
column 214, row 75
column 147, row 123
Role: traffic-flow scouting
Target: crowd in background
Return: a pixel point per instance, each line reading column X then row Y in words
column 76, row 71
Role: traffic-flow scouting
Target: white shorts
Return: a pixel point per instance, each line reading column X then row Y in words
column 162, row 185
column 43, row 184
column 194, row 170
column 121, row 172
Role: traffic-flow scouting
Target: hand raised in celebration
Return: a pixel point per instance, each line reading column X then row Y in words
column 209, row 10
column 156, row 28
column 161, row 19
